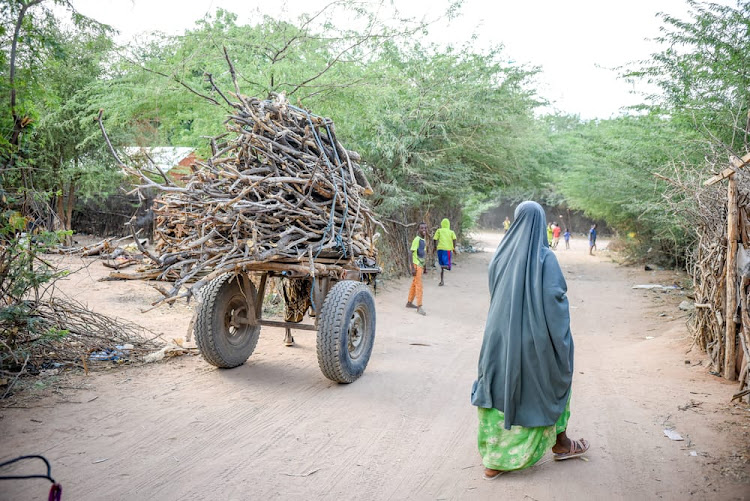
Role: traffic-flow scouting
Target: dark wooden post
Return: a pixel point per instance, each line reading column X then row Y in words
column 730, row 332
column 730, row 303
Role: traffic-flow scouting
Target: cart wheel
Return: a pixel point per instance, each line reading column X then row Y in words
column 346, row 331
column 223, row 337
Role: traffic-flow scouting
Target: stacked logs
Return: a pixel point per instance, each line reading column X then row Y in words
column 281, row 185
column 278, row 187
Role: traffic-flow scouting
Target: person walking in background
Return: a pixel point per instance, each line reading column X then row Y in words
column 506, row 224
column 556, row 230
column 445, row 239
column 525, row 370
column 549, row 234
column 566, row 236
column 417, row 257
column 592, row 239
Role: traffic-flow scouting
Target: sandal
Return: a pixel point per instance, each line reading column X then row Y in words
column 577, row 449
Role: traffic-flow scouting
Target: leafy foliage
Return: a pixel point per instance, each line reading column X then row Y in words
column 441, row 129
column 45, row 153
column 609, row 167
column 703, row 72
column 609, row 171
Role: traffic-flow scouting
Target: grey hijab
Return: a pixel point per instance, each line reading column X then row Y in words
column 526, row 362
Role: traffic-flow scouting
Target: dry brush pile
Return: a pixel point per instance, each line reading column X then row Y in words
column 723, row 334
column 709, row 272
column 278, row 190
column 39, row 330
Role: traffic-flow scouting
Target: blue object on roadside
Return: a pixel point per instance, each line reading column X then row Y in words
column 103, row 355
column 119, row 352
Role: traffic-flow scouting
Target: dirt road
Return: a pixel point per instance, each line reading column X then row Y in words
column 275, row 428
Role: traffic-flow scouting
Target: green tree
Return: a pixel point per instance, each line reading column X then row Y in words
column 703, row 71
column 19, row 83
column 161, row 89
column 441, row 123
column 701, row 79
column 70, row 159
column 50, row 62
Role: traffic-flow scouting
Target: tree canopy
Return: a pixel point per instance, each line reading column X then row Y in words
column 442, row 129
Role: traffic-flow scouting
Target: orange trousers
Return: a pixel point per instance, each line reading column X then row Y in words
column 415, row 291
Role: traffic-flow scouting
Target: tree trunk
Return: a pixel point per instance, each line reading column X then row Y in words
column 18, row 122
column 70, row 204
column 60, row 205
column 65, row 205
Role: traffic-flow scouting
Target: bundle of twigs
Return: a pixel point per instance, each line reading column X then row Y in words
column 58, row 333
column 281, row 185
column 108, row 248
column 278, row 187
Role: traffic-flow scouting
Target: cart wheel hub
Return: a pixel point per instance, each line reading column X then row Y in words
column 356, row 332
column 235, row 319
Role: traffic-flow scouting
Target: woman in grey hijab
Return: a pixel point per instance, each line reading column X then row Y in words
column 526, row 363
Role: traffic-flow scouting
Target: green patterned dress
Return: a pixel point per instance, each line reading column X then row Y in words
column 519, row 447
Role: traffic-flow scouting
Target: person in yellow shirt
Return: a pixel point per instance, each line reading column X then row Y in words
column 445, row 238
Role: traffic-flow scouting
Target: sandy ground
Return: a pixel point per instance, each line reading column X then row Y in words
column 275, row 428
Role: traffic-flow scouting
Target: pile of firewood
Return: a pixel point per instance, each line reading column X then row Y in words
column 277, row 187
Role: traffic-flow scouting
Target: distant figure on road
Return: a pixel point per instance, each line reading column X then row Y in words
column 592, row 239
column 506, row 224
column 417, row 256
column 549, row 234
column 525, row 371
column 556, row 230
column 445, row 239
column 566, row 236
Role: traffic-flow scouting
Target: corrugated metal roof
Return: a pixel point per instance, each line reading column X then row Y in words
column 165, row 157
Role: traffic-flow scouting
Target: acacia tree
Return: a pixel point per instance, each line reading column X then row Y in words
column 608, row 167
column 14, row 14
column 15, row 23
column 438, row 124
column 165, row 87
column 49, row 67
column 68, row 162
column 703, row 71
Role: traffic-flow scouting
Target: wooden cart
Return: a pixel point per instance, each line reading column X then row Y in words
column 336, row 296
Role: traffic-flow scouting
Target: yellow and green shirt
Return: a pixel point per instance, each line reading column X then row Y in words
column 418, row 251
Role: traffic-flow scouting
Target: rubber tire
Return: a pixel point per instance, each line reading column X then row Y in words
column 210, row 329
column 334, row 359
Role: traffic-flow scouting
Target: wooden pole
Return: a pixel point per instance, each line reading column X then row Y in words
column 730, row 371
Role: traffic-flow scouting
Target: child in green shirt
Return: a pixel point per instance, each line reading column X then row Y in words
column 418, row 256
